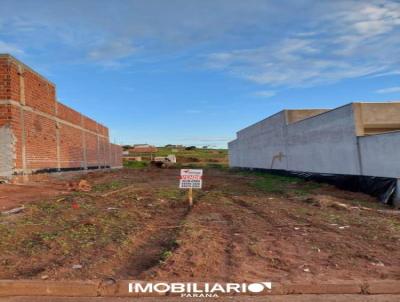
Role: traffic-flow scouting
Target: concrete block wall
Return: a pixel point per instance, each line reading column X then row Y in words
column 379, row 154
column 355, row 139
column 38, row 133
column 324, row 143
column 261, row 144
column 115, row 155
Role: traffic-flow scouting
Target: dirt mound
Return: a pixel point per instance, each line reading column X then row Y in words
column 79, row 186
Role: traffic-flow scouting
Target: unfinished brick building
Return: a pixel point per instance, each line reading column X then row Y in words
column 39, row 134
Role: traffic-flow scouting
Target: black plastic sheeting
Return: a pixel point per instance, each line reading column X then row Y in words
column 381, row 187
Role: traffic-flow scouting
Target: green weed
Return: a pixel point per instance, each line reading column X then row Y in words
column 136, row 164
column 279, row 184
column 108, row 186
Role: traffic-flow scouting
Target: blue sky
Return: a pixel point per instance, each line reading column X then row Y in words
column 194, row 72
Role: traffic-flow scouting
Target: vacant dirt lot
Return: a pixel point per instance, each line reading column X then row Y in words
column 135, row 223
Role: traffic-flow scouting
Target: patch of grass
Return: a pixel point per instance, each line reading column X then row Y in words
column 168, row 250
column 220, row 166
column 279, row 184
column 56, row 229
column 303, row 212
column 274, row 183
column 367, row 204
column 169, row 193
column 165, row 255
column 32, row 245
column 216, row 158
column 334, row 218
column 108, row 186
column 136, row 164
column 196, row 153
column 306, row 188
column 394, row 225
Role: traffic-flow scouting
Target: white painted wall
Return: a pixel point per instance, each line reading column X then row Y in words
column 380, row 154
column 257, row 145
column 325, row 143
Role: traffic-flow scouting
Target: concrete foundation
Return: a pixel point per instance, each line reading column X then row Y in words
column 7, row 152
column 355, row 139
column 396, row 199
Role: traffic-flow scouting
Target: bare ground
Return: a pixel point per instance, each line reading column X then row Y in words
column 243, row 227
column 289, row 298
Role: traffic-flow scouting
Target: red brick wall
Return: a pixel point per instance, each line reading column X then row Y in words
column 71, row 151
column 91, row 150
column 5, row 115
column 68, row 114
column 89, row 124
column 55, row 135
column 116, row 155
column 9, row 83
column 41, row 143
column 39, row 93
column 4, row 79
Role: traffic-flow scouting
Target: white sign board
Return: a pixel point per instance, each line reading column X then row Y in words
column 191, row 178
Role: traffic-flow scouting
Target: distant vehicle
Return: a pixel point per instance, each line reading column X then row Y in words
column 164, row 161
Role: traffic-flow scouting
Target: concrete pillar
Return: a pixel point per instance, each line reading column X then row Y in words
column 58, row 149
column 7, row 152
column 104, row 154
column 22, row 118
column 109, row 153
column 98, row 152
column 85, row 165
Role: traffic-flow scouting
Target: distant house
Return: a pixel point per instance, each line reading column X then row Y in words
column 132, row 158
column 174, row 146
column 143, row 148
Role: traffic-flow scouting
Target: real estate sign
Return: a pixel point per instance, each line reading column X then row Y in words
column 191, row 178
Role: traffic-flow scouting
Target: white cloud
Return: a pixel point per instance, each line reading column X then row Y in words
column 295, row 62
column 265, row 93
column 10, row 48
column 110, row 52
column 295, row 43
column 73, row 28
column 389, row 73
column 389, row 90
column 354, row 39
